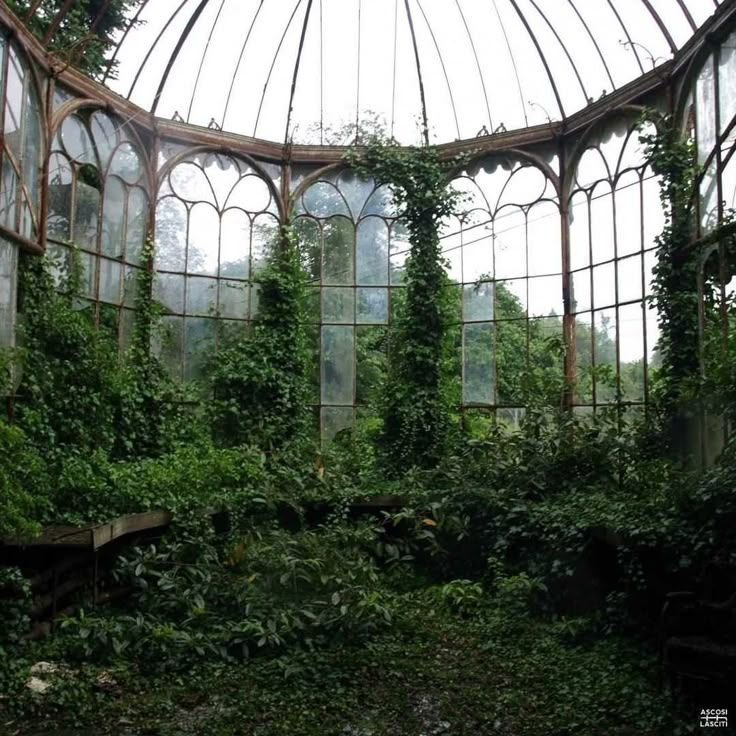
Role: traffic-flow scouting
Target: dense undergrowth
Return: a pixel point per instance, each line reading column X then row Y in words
column 516, row 592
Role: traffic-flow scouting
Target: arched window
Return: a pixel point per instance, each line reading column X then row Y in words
column 98, row 201
column 504, row 254
column 353, row 249
column 215, row 222
column 615, row 216
column 19, row 179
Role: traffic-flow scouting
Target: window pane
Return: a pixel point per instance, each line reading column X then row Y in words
column 478, row 364
column 337, row 365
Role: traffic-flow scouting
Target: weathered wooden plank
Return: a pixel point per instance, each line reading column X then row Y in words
column 93, row 536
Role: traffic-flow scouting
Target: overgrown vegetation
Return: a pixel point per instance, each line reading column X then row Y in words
column 415, row 406
column 516, row 591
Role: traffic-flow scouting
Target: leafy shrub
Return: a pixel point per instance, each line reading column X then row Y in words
column 196, row 596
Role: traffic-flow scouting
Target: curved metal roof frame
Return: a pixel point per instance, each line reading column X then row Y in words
column 450, row 72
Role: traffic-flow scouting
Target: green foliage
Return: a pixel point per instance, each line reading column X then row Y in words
column 23, row 478
column 76, row 40
column 415, row 406
column 68, row 384
column 260, row 384
column 149, row 415
column 674, row 287
column 199, row 597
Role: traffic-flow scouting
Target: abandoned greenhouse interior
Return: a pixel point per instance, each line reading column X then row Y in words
column 368, row 367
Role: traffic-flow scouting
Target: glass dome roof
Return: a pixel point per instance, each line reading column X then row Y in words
column 310, row 70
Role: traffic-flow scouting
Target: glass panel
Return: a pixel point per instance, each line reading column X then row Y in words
column 171, row 234
column 629, row 279
column 264, row 237
column 201, row 296
column 338, row 305
column 581, row 301
column 111, row 273
column 511, row 299
column 14, row 105
column 511, row 360
column 545, row 296
column 126, row 164
column 478, row 302
column 168, row 289
column 87, row 206
column 113, row 218
column 60, row 197
column 337, row 365
column 235, row 245
column 334, row 420
column 601, row 223
column 478, row 364
column 709, row 198
column 233, row 299
column 726, row 87
column 204, row 229
column 223, row 173
column 400, row 247
column 76, row 141
column 251, row 194
column 372, row 306
column 105, row 134
column 628, row 215
column 372, row 252
column 337, row 256
column 310, row 245
column 32, row 140
column 356, row 191
column 604, row 285
column 88, row 266
column 509, row 232
column 189, row 182
column 137, row 225
column 168, row 343
column 370, row 352
column 9, row 196
column 323, row 200
column 477, row 250
column 706, row 111
column 584, row 357
column 544, row 239
column 199, row 337
column 130, row 286
column 604, row 333
column 631, row 349
column 8, row 276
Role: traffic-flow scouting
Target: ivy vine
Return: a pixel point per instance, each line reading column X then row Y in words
column 415, row 403
column 674, row 288
column 260, row 382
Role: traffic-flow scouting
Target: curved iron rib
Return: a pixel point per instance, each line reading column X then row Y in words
column 273, row 64
column 201, row 61
column 542, row 57
column 296, row 69
column 240, row 60
column 477, row 63
column 442, row 63
column 419, row 73
column 177, row 49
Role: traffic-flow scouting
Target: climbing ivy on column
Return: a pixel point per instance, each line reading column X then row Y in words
column 415, row 406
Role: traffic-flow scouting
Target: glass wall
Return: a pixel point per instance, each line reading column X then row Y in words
column 216, row 219
column 98, row 202
column 615, row 215
column 22, row 145
column 504, row 255
column 354, row 250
